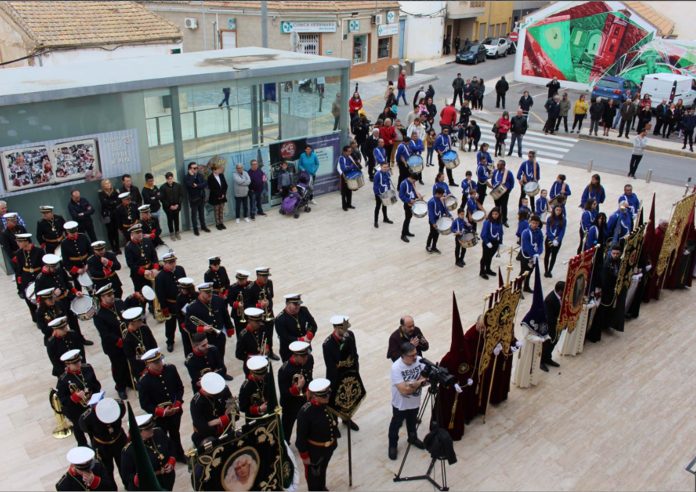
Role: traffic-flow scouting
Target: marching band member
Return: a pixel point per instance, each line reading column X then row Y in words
column 85, row 472
column 75, row 387
column 541, row 204
column 403, row 152
column 524, row 206
column 594, row 191
column 186, row 296
column 257, row 391
column 141, row 258
column 340, row 355
column 555, row 230
column 522, row 224
column 54, row 276
column 137, row 340
column 596, row 234
column 213, row 409
column 294, row 323
column 217, row 274
column 436, row 209
column 167, row 289
column 236, row 298
column 491, row 239
column 102, row 423
column 440, row 183
column 531, row 247
column 126, row 214
column 467, row 185
column 160, row 450
column 483, row 175
column 473, row 205
column 317, row 433
column 211, row 310
column 49, row 230
column 260, row 295
column 346, row 166
column 161, row 393
column 48, row 310
column 252, row 341
column 382, row 183
column 560, row 187
column 632, row 200
column 294, row 376
column 75, row 249
column 204, row 358
column 621, row 222
column 408, row 195
column 443, row 143
column 416, row 147
column 528, row 171
column 589, row 215
column 27, row 264
column 8, row 235
column 459, row 227
column 61, row 341
column 506, row 178
column 151, row 225
column 102, row 268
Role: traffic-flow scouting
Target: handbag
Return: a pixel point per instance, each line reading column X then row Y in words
column 495, row 128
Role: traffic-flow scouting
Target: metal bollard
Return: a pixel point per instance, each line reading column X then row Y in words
column 648, row 177
column 589, row 165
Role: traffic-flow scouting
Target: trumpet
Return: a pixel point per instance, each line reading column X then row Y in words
column 267, row 315
column 240, row 307
column 85, row 399
column 200, row 322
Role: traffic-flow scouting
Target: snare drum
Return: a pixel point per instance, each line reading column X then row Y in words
column 30, row 294
column 498, row 191
column 450, row 159
column 468, row 240
column 148, row 293
column 85, row 281
column 531, row 188
column 83, row 307
column 162, row 250
column 355, row 181
column 419, row 209
column 415, row 164
column 451, row 202
column 388, row 197
column 478, row 216
column 444, row 225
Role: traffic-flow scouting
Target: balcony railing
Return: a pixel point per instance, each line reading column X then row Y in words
column 465, row 10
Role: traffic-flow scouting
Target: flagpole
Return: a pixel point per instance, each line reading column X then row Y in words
column 490, row 388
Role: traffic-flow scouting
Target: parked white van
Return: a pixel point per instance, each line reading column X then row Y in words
column 670, row 87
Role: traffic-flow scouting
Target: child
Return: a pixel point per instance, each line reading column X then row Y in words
column 541, row 205
column 472, row 205
column 473, row 134
column 467, row 184
column 524, row 206
column 459, row 227
column 284, row 179
column 522, row 225
column 430, row 140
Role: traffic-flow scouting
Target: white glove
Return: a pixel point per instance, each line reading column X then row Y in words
column 648, row 268
column 519, row 343
column 498, row 348
column 489, row 245
column 514, row 349
column 637, row 276
column 535, row 339
column 469, row 382
column 457, row 388
column 555, row 243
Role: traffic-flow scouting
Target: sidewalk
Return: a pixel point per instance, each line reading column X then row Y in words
column 421, row 65
column 654, row 144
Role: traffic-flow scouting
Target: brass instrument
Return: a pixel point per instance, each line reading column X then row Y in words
column 200, row 322
column 267, row 315
column 231, row 409
column 156, row 306
column 63, row 427
column 240, row 307
column 85, row 399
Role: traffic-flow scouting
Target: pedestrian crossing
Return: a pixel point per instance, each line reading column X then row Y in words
column 550, row 149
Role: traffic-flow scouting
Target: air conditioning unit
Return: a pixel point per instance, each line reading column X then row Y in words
column 377, row 19
column 191, row 23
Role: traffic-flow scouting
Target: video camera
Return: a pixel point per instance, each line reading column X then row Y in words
column 436, row 374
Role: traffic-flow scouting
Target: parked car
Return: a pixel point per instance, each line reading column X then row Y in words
column 616, row 88
column 473, row 54
column 496, row 47
column 670, row 87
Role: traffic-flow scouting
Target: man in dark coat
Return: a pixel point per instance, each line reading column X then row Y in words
column 552, row 305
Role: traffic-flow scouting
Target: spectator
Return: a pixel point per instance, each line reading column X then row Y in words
column 336, row 111
column 518, row 127
column 480, row 92
column 430, row 93
column 660, row 116
column 564, row 107
column 448, row 116
column 458, row 86
column 463, row 123
column 668, row 122
column 388, row 134
column 127, row 185
column 688, row 125
column 225, row 97
column 554, row 86
column 256, row 189
column 195, row 186
column 401, row 87
column 503, row 127
column 639, row 144
column 628, row 112
column 354, row 105
column 284, row 179
column 608, row 116
column 473, row 135
column 469, row 89
column 81, row 212
column 172, row 197
column 361, row 129
column 430, row 142
column 457, row 43
column 596, row 113
column 553, row 109
column 431, row 109
column 389, row 97
column 309, row 163
column 241, row 182
column 644, row 117
column 151, row 195
column 417, row 127
column 526, row 103
column 368, row 152
column 217, row 184
column 3, row 221
column 109, row 202
column 420, row 94
column 501, row 88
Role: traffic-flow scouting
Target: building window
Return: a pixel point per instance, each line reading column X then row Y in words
column 309, row 44
column 384, row 48
column 359, row 49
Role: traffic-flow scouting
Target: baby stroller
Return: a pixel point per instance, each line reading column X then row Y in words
column 297, row 200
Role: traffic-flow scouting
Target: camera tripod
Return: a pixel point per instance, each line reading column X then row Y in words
column 429, row 399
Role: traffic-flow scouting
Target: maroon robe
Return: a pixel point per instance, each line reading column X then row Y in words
column 680, row 274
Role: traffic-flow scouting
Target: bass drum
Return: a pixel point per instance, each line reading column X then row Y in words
column 450, row 159
column 498, row 191
column 355, row 181
column 415, row 164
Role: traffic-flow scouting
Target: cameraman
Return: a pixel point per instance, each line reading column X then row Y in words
column 406, row 382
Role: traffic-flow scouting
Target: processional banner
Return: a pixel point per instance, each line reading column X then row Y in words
column 576, row 284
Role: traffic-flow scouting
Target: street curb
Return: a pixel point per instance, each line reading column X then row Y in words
column 629, row 143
